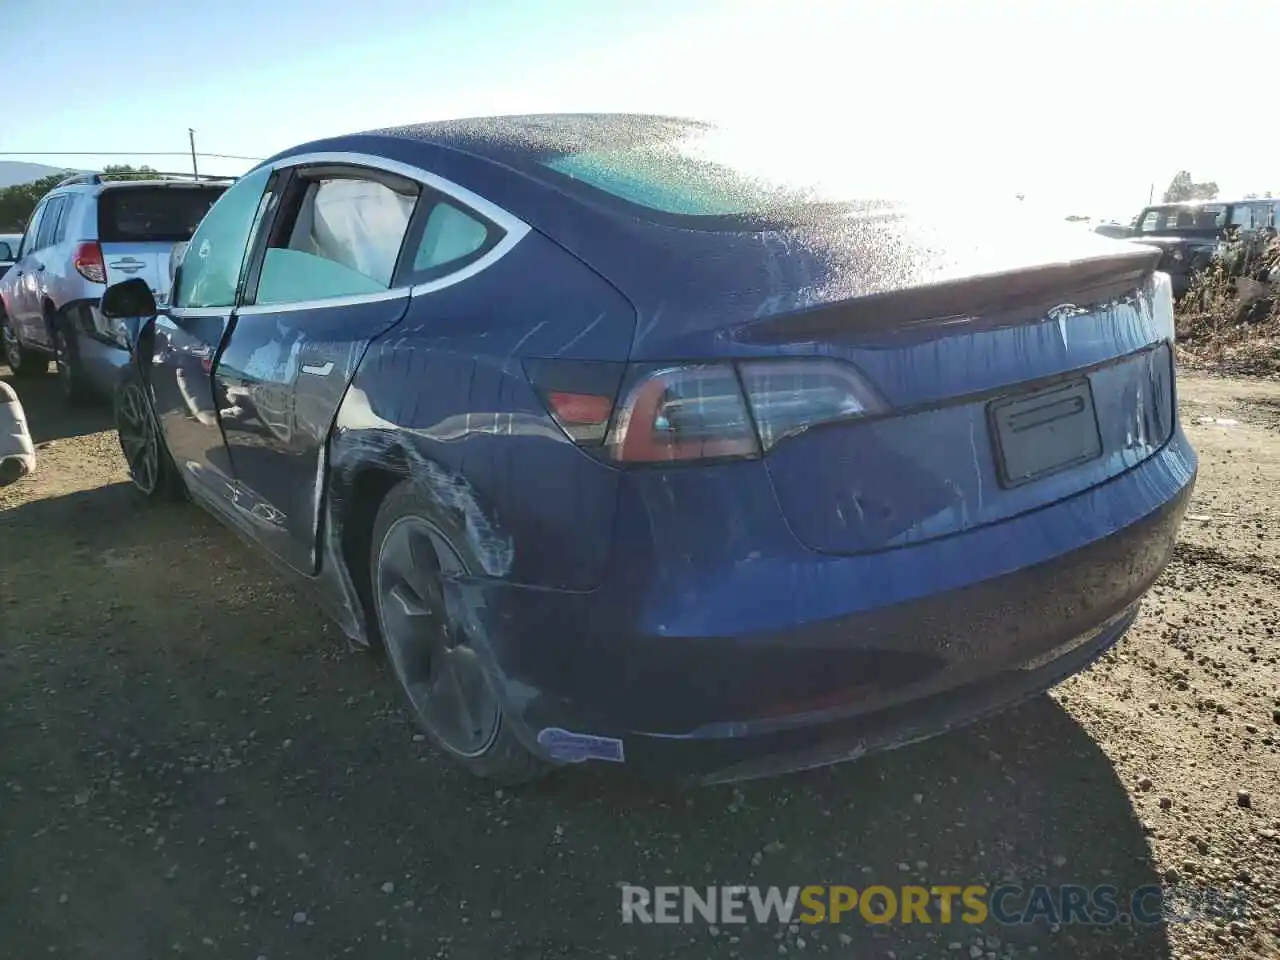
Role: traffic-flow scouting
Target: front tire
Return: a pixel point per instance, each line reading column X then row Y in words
column 438, row 656
column 151, row 469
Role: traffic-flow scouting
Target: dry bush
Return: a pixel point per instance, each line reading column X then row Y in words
column 1222, row 331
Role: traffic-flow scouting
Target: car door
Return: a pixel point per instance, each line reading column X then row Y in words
column 22, row 299
column 321, row 289
column 43, row 271
column 188, row 335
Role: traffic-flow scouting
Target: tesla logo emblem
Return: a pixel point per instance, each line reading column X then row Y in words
column 1064, row 311
column 1060, row 315
column 206, row 248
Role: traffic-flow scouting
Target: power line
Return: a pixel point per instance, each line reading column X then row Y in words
column 121, row 153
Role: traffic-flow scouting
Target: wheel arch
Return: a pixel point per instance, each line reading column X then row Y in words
column 366, row 466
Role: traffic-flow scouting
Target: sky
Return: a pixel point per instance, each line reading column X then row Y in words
column 1081, row 106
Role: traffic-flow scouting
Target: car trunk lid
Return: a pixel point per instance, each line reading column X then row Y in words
column 1014, row 371
column 1002, row 394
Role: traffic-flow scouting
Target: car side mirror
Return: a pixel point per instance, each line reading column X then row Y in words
column 6, row 251
column 130, row 298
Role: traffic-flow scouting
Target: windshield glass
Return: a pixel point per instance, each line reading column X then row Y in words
column 1208, row 218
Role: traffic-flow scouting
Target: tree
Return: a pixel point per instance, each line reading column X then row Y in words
column 18, row 201
column 1182, row 187
column 122, row 171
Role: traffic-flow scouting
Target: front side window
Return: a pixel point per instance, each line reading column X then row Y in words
column 345, row 241
column 28, row 238
column 210, row 271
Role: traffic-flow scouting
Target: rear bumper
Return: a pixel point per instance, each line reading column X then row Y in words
column 848, row 738
column 101, row 358
column 993, row 616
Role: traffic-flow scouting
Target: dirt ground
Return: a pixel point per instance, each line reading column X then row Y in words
column 191, row 764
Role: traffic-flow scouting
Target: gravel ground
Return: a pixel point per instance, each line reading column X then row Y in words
column 192, row 764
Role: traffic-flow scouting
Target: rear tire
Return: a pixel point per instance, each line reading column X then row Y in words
column 22, row 362
column 151, row 469
column 66, row 354
column 438, row 659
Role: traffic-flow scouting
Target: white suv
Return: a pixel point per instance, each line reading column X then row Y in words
column 85, row 234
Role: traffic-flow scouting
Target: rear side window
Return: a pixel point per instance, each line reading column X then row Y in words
column 345, row 240
column 448, row 238
column 49, row 223
column 153, row 214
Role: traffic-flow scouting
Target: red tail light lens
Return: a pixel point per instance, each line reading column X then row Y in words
column 705, row 411
column 579, row 395
column 88, row 262
column 684, row 413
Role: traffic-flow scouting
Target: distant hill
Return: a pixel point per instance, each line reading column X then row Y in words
column 19, row 171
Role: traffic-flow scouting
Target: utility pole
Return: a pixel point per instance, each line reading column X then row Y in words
column 195, row 170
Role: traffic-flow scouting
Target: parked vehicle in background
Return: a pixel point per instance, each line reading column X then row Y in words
column 1116, row 231
column 86, row 233
column 9, row 243
column 624, row 455
column 1191, row 236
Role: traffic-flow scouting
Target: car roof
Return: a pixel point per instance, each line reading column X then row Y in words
column 531, row 136
column 1206, row 203
column 129, row 184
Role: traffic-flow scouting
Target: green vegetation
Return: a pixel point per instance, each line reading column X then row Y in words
column 17, row 202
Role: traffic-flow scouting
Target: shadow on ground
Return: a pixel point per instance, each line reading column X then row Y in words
column 49, row 416
column 191, row 764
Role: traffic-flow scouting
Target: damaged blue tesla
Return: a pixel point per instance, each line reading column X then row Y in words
column 624, row 451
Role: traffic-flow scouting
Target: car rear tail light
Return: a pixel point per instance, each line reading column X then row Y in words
column 579, row 395
column 702, row 411
column 684, row 413
column 89, row 263
column 788, row 396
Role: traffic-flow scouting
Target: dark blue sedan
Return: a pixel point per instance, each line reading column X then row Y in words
column 625, row 454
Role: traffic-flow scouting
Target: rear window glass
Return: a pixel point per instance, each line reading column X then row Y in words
column 1207, row 218
column 675, row 177
column 153, row 214
column 681, row 168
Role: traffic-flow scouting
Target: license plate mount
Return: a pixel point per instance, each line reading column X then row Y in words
column 1043, row 432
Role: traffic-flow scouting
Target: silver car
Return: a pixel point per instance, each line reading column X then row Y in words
column 9, row 243
column 85, row 234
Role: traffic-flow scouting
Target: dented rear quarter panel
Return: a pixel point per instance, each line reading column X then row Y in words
column 444, row 397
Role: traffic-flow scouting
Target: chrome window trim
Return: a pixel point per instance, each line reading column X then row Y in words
column 514, row 229
column 197, row 312
column 394, row 293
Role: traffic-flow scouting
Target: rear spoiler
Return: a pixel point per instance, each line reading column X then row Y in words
column 100, row 178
